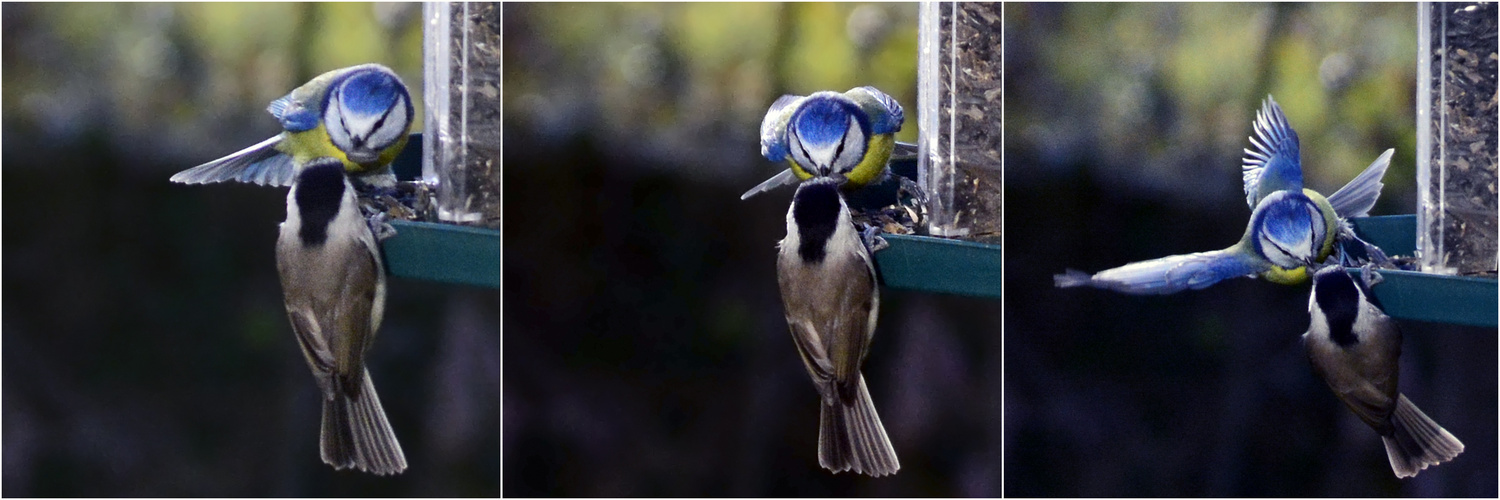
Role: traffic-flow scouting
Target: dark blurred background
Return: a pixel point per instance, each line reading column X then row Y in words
column 646, row 351
column 1125, row 127
column 146, row 350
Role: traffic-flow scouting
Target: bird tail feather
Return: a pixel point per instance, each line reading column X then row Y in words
column 851, row 437
column 356, row 433
column 1417, row 441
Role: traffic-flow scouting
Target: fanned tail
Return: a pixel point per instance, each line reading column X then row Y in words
column 851, row 437
column 1417, row 441
column 259, row 164
column 1165, row 275
column 356, row 433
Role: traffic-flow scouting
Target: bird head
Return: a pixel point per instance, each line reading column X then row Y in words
column 828, row 135
column 367, row 112
column 1289, row 230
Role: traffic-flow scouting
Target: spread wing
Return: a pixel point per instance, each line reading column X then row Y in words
column 1274, row 164
column 1357, row 197
column 1167, row 274
column 260, row 164
column 785, row 178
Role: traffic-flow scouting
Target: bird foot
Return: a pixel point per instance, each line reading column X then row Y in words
column 1369, row 275
column 870, row 236
column 380, row 227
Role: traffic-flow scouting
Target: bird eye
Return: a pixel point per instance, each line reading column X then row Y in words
column 839, row 151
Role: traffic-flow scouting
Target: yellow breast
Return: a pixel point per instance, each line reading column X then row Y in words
column 876, row 156
column 869, row 168
column 314, row 143
column 1331, row 221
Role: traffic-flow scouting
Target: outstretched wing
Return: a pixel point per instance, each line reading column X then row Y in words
column 1357, row 197
column 1166, row 275
column 1274, row 164
column 886, row 115
column 785, row 178
column 259, row 164
column 773, row 127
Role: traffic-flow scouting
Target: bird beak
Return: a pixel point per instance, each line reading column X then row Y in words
column 363, row 157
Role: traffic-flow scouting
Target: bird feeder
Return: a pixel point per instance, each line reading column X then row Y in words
column 1456, row 138
column 461, row 150
column 959, row 98
column 458, row 154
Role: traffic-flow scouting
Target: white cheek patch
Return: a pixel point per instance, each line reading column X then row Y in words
column 795, row 142
column 392, row 128
column 333, row 122
column 854, row 148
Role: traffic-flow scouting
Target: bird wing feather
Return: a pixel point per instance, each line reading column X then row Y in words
column 773, row 127
column 260, row 164
column 886, row 115
column 1274, row 164
column 1357, row 197
column 1168, row 274
column 785, row 178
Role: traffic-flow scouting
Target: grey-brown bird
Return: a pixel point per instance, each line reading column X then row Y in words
column 1354, row 347
column 832, row 300
column 334, row 287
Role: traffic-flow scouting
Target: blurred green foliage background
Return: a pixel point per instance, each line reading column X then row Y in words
column 1125, row 130
column 146, row 351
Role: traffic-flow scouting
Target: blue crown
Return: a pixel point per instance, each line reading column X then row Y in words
column 824, row 120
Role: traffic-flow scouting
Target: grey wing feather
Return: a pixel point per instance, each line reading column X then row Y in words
column 1357, row 197
column 785, row 178
column 355, row 312
column 861, row 296
column 904, row 151
column 260, row 164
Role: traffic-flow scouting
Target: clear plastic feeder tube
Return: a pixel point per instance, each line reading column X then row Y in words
column 960, row 102
column 1456, row 137
column 461, row 143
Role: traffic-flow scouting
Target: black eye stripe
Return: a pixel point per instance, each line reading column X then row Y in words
column 1284, row 252
column 383, row 116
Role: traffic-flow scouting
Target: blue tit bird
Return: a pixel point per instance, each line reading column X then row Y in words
column 1291, row 227
column 360, row 115
column 1275, row 165
column 851, row 135
column 1354, row 347
column 1288, row 230
column 832, row 301
column 334, row 287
